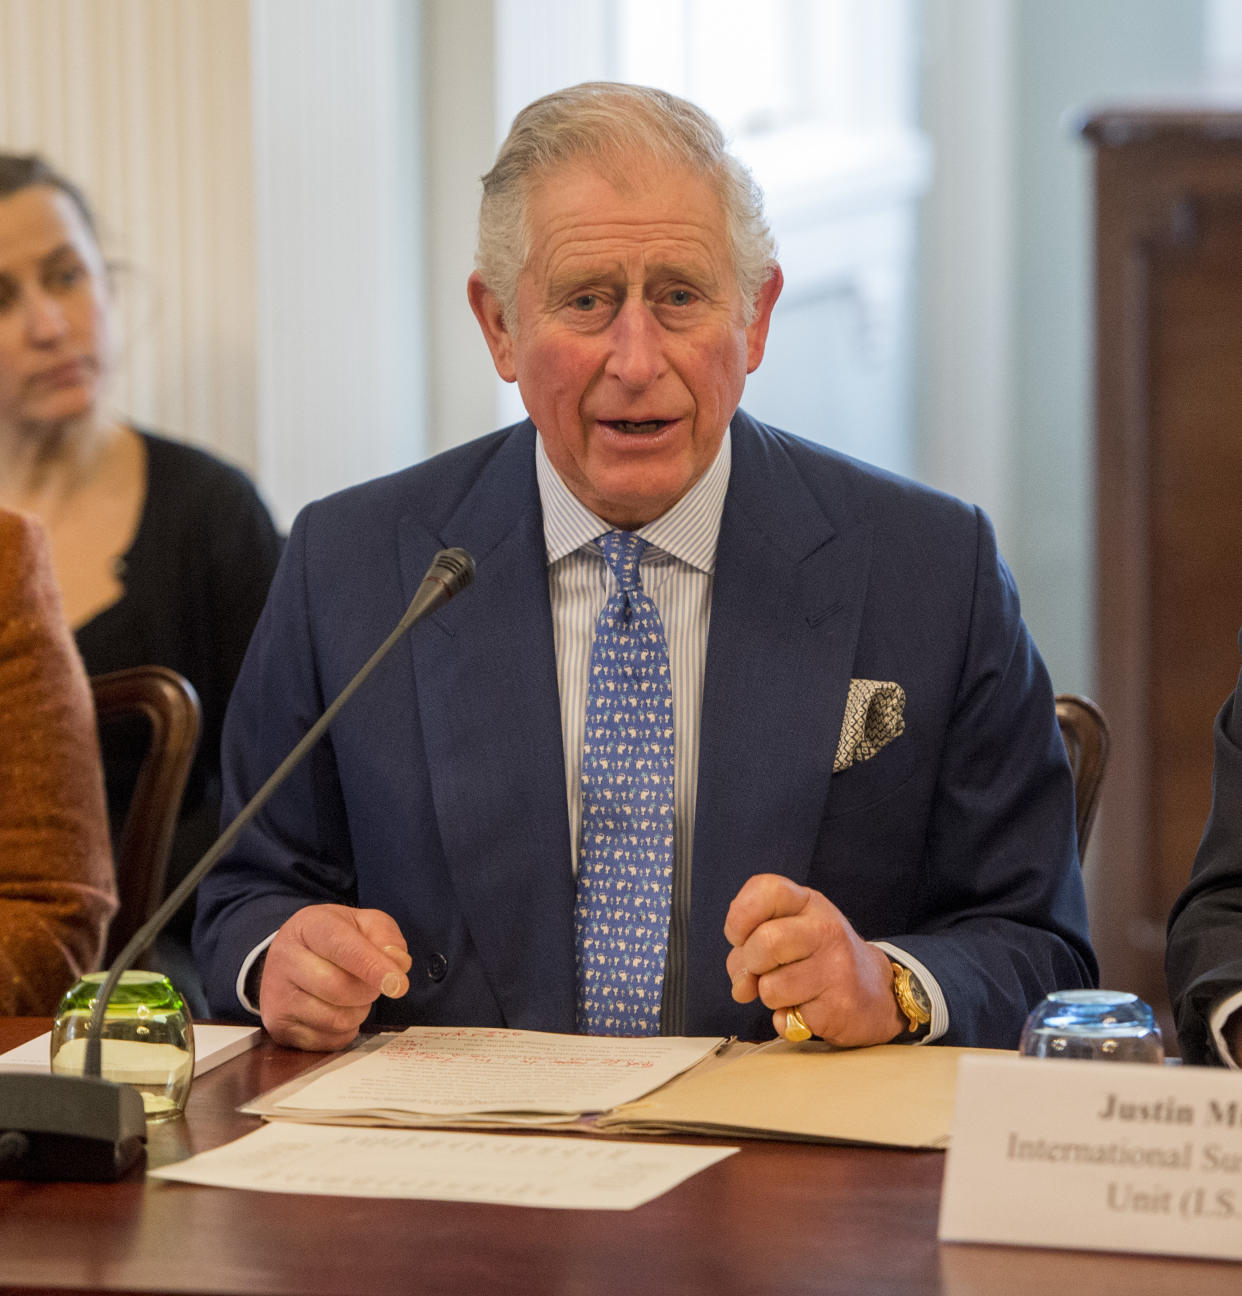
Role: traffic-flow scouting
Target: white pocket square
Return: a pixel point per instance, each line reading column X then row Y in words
column 874, row 716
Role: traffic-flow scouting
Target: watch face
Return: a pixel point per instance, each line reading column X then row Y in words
column 912, row 999
column 919, row 995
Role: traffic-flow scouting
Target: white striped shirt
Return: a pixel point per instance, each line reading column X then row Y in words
column 676, row 573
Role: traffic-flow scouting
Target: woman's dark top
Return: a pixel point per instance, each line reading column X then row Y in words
column 195, row 580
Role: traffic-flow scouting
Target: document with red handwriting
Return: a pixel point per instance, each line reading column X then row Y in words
column 430, row 1074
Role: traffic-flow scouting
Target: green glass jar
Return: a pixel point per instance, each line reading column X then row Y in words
column 147, row 1042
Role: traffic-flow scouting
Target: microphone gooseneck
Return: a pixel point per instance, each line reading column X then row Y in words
column 451, row 571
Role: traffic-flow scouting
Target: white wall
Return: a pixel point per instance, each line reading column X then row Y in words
column 1007, row 342
column 340, row 280
column 146, row 104
column 965, row 337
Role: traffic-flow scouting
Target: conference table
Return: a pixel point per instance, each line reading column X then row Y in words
column 777, row 1217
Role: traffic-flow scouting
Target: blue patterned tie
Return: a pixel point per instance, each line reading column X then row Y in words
column 625, row 867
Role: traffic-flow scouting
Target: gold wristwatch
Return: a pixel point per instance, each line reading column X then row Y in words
column 911, row 998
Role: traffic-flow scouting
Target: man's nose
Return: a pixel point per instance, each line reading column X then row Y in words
column 636, row 358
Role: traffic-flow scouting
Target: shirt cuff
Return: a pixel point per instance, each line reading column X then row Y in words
column 245, row 972
column 939, row 1009
column 1222, row 1010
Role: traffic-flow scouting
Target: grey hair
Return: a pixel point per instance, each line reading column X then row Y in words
column 607, row 122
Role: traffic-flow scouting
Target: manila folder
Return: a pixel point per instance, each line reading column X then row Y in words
column 890, row 1095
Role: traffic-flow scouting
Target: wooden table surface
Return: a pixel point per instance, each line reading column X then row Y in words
column 778, row 1217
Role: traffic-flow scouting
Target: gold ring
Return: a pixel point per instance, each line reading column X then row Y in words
column 796, row 1030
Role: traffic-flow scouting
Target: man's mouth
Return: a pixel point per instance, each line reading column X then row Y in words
column 631, row 427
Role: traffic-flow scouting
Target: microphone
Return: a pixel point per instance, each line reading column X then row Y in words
column 87, row 1128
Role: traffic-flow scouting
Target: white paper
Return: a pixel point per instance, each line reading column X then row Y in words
column 515, row 1170
column 454, row 1072
column 212, row 1045
column 1107, row 1156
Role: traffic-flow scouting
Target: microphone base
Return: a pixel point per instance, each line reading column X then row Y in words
column 78, row 1129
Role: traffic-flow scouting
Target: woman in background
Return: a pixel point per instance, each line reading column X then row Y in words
column 163, row 553
column 56, row 889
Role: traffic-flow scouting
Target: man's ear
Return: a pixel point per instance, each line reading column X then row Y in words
column 486, row 307
column 757, row 329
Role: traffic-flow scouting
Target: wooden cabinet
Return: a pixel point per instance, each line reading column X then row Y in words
column 1168, row 264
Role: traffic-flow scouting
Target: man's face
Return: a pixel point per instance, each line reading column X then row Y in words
column 630, row 347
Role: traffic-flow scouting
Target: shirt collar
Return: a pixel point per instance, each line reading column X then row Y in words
column 688, row 531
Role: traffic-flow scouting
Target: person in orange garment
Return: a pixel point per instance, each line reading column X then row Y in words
column 56, row 883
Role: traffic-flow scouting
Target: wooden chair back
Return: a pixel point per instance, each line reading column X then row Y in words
column 1085, row 732
column 169, row 705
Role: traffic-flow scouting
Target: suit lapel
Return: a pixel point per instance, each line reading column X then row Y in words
column 786, row 605
column 491, row 729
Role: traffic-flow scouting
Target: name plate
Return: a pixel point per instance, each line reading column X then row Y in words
column 1102, row 1156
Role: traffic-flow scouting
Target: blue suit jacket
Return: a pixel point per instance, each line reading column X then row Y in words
column 439, row 794
column 1203, row 959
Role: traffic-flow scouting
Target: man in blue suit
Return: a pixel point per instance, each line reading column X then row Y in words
column 1203, row 959
column 872, row 833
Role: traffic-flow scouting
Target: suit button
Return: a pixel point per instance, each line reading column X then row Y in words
column 437, row 966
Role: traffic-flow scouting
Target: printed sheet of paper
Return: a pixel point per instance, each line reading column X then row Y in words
column 505, row 1169
column 454, row 1073
column 212, row 1045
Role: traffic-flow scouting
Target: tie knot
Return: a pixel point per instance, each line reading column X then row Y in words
column 622, row 550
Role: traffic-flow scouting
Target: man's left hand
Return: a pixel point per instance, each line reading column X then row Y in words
column 793, row 948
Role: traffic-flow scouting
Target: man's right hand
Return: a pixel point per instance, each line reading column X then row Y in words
column 324, row 969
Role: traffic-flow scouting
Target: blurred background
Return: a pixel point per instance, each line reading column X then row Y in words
column 288, row 189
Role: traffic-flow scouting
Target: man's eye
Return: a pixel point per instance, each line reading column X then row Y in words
column 680, row 297
column 585, row 302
